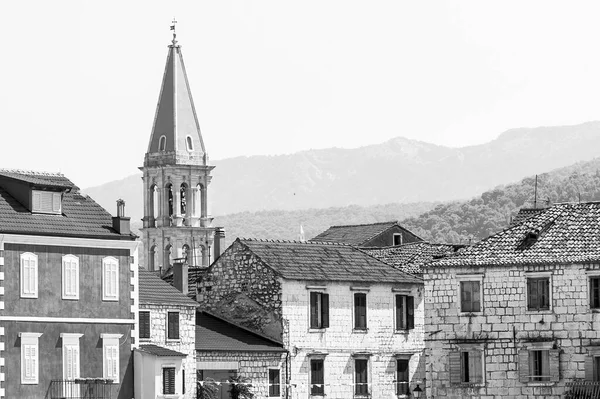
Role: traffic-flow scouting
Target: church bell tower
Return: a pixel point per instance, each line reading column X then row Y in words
column 176, row 176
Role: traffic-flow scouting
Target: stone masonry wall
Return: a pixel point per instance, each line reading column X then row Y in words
column 241, row 288
column 340, row 341
column 505, row 325
column 252, row 365
column 186, row 342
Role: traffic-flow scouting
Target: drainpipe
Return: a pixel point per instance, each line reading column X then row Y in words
column 287, row 375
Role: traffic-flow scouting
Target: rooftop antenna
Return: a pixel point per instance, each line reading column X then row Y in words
column 535, row 194
column 173, row 23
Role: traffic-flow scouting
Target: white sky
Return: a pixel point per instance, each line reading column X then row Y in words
column 79, row 80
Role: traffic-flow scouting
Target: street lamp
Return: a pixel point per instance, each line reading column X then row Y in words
column 417, row 391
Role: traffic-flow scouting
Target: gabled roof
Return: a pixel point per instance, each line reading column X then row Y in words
column 160, row 351
column 194, row 273
column 411, row 257
column 81, row 216
column 216, row 334
column 153, row 290
column 525, row 213
column 324, row 261
column 561, row 234
column 355, row 234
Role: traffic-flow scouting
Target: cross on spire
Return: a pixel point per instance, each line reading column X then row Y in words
column 173, row 22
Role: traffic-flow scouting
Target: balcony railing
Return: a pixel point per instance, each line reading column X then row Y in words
column 582, row 390
column 81, row 388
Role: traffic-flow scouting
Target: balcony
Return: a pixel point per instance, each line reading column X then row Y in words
column 81, row 388
column 579, row 389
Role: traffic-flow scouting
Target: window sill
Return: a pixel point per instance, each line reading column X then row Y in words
column 173, row 340
column 540, row 383
column 595, row 310
column 470, row 314
column 317, row 330
column 70, row 298
column 403, row 332
column 471, row 384
column 541, row 311
column 110, row 299
column 360, row 330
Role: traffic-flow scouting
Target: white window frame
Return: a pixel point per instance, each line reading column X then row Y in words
column 30, row 342
column 407, row 357
column 70, row 342
column 269, row 385
column 461, row 278
column 27, row 291
column 591, row 274
column 321, row 289
column 534, row 275
column 394, row 239
column 54, row 198
column 189, row 140
column 110, row 356
column 162, row 140
column 70, row 289
column 369, row 376
column 110, row 285
column 471, row 348
column 175, row 378
column 360, row 290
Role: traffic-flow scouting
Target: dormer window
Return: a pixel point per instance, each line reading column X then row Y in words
column 46, row 202
column 162, row 143
column 189, row 144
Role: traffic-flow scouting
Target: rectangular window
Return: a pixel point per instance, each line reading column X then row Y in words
column 402, row 377
column 405, row 312
column 168, row 380
column 319, row 310
column 70, row 353
column 110, row 356
column 596, row 368
column 29, row 275
column 29, row 358
column 46, row 202
column 70, row 277
column 471, row 370
column 360, row 311
column 538, row 293
column 539, row 365
column 397, row 239
column 470, row 300
column 274, row 383
column 317, row 377
column 361, row 379
column 173, row 325
column 110, row 279
column 144, row 325
column 595, row 292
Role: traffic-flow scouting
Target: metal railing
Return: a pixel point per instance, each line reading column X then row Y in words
column 81, row 388
column 582, row 390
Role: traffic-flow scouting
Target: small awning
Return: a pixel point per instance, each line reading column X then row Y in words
column 160, row 351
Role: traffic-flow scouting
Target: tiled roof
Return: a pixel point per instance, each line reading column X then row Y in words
column 561, row 234
column 153, row 290
column 325, row 261
column 43, row 179
column 81, row 215
column 355, row 234
column 160, row 351
column 525, row 213
column 193, row 274
column 411, row 257
column 216, row 334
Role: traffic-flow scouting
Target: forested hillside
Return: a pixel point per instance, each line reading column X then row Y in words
column 458, row 222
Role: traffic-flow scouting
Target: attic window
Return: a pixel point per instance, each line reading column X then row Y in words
column 46, row 202
column 162, row 143
column 189, row 144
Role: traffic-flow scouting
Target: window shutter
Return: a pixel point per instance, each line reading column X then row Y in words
column 314, row 317
column 325, row 310
column 46, row 202
column 476, row 305
column 26, row 277
column 144, row 324
column 410, row 309
column 589, row 368
column 524, row 365
column 33, row 284
column 475, row 366
column 37, row 201
column 454, row 360
column 56, row 202
column 554, row 365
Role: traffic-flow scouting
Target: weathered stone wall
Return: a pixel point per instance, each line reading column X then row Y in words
column 505, row 325
column 186, row 342
column 340, row 340
column 241, row 288
column 251, row 365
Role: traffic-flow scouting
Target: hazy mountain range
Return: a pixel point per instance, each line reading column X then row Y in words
column 396, row 171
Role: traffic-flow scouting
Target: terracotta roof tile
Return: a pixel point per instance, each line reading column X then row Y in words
column 160, row 351
column 411, row 257
column 153, row 290
column 355, row 234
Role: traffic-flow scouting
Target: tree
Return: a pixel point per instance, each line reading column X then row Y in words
column 240, row 388
column 207, row 389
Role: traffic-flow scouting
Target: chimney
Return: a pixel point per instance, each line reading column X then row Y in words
column 219, row 241
column 120, row 222
column 180, row 276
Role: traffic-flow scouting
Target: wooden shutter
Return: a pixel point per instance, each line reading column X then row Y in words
column 531, row 294
column 169, row 380
column 56, row 197
column 314, row 317
column 454, row 365
column 324, row 310
column 554, row 360
column 144, row 324
column 410, row 312
column 475, row 367
column 589, row 368
column 37, row 201
column 475, row 290
column 274, row 385
column 46, row 202
column 399, row 306
column 545, row 304
column 524, row 365
column 360, row 311
column 173, row 325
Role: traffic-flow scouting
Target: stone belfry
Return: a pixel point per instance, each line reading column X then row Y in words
column 176, row 176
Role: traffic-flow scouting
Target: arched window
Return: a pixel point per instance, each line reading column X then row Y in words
column 167, row 257
column 170, row 198
column 162, row 143
column 183, row 199
column 189, row 143
column 185, row 252
column 154, row 208
column 198, row 201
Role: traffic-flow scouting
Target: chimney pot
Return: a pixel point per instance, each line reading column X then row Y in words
column 180, row 276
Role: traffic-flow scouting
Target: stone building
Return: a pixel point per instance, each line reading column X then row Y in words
column 165, row 361
column 381, row 234
column 351, row 324
column 176, row 175
column 517, row 314
column 68, row 291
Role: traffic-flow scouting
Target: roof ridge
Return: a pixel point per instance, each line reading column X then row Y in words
column 364, row 224
column 306, row 242
column 31, row 172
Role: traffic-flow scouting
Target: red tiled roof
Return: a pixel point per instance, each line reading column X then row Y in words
column 81, row 215
column 160, row 351
column 216, row 334
column 153, row 290
column 561, row 234
column 525, row 213
column 355, row 234
column 325, row 261
column 411, row 257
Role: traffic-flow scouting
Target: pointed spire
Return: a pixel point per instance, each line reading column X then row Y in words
column 176, row 137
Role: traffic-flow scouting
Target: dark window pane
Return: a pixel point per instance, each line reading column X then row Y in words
column 144, row 325
column 274, row 385
column 173, row 325
column 470, row 296
column 316, row 377
column 361, row 377
column 169, row 380
column 360, row 311
column 402, row 382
